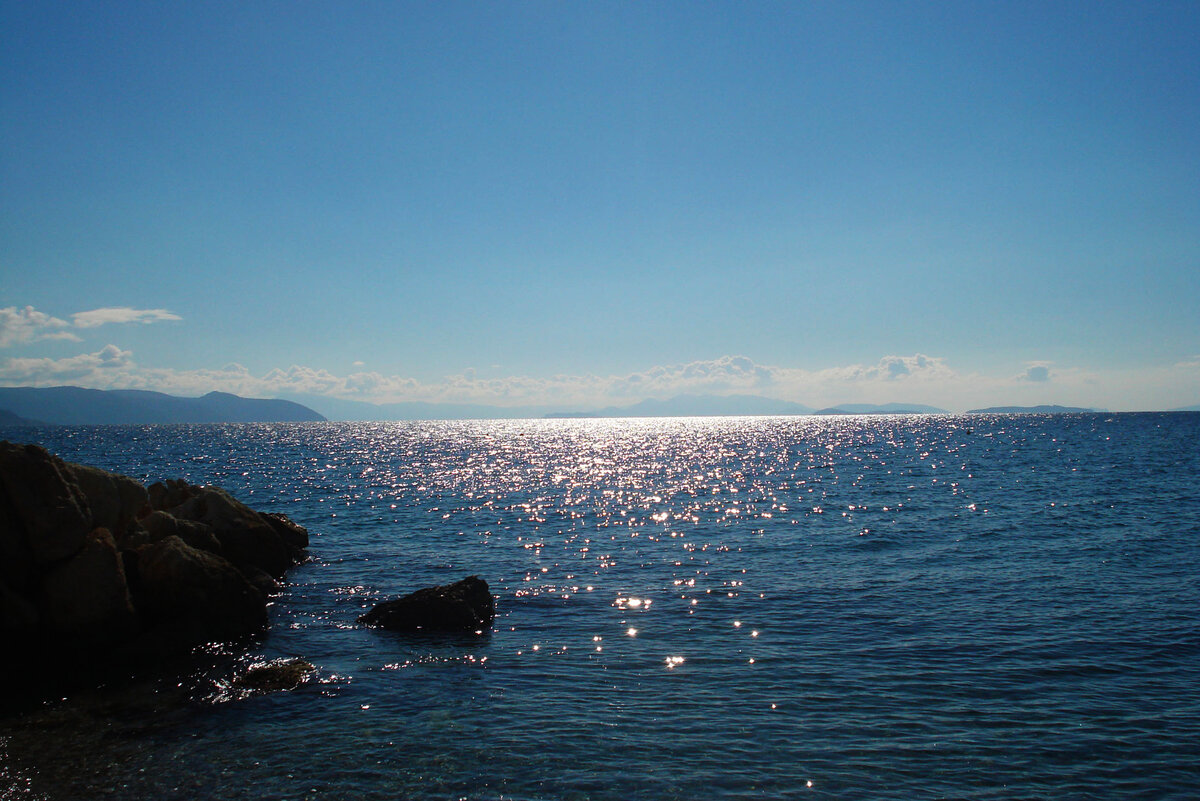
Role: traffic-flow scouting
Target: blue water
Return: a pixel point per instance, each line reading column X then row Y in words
column 976, row 607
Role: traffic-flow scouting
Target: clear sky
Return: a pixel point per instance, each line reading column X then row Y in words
column 585, row 204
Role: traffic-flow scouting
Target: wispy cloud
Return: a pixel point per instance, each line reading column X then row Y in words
column 114, row 368
column 723, row 375
column 915, row 378
column 21, row 325
column 121, row 314
column 109, row 367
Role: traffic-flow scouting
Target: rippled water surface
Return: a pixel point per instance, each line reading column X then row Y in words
column 825, row 607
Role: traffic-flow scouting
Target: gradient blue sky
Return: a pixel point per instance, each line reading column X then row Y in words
column 582, row 204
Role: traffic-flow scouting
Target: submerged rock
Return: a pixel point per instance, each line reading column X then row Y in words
column 466, row 605
column 284, row 674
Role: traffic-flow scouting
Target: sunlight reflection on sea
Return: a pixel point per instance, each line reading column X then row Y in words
column 976, row 607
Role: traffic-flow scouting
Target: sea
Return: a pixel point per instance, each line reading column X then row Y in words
column 857, row 607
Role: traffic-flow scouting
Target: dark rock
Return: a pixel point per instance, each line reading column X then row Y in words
column 263, row 582
column 18, row 617
column 86, row 597
column 466, row 605
column 53, row 511
column 16, row 559
column 295, row 537
column 160, row 525
column 246, row 538
column 198, row 594
column 284, row 674
column 168, row 495
column 98, row 572
column 116, row 501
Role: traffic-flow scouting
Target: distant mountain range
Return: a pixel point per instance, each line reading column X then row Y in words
column 742, row 405
column 1030, row 410
column 678, row 406
column 77, row 406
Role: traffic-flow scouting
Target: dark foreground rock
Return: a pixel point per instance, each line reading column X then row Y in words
column 95, row 565
column 466, row 605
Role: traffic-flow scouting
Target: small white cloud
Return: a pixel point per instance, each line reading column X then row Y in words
column 111, row 356
column 1038, row 372
column 894, row 368
column 121, row 314
column 366, row 384
column 891, row 368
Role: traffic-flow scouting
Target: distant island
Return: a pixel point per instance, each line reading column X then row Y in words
column 886, row 408
column 1029, row 410
column 78, row 406
column 741, row 405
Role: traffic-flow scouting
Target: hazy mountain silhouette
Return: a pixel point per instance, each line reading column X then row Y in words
column 339, row 409
column 685, row 405
column 679, row 406
column 884, row 408
column 78, row 406
column 1029, row 410
column 7, row 418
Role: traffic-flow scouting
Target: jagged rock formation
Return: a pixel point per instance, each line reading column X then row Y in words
column 93, row 563
column 466, row 605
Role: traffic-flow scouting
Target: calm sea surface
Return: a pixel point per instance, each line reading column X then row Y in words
column 985, row 607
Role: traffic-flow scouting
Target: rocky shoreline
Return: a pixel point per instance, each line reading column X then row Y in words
column 102, row 577
column 97, row 570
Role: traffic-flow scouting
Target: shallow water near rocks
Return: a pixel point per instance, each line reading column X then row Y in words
column 828, row 607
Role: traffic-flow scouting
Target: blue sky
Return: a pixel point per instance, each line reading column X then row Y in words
column 580, row 204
